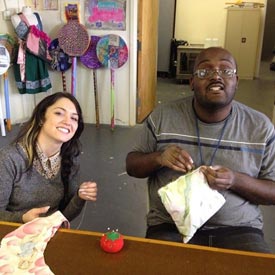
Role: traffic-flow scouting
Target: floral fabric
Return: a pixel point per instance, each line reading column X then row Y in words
column 22, row 250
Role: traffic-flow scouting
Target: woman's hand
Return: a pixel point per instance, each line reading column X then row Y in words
column 88, row 191
column 34, row 213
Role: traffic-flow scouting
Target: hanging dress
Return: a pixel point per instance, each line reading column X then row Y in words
column 31, row 73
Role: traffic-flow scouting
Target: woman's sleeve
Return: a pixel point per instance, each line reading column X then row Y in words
column 74, row 202
column 9, row 167
column 74, row 207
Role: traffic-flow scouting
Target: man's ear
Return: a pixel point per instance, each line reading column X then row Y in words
column 191, row 83
column 237, row 83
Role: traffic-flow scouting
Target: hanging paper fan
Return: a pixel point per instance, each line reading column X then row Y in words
column 112, row 52
column 60, row 60
column 74, row 40
column 90, row 60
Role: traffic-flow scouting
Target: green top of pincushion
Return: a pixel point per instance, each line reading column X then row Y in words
column 112, row 235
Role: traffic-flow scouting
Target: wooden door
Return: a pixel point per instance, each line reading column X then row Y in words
column 148, row 11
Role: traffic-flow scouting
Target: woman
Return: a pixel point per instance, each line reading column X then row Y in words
column 40, row 169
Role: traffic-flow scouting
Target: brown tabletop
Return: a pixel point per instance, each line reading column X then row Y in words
column 73, row 252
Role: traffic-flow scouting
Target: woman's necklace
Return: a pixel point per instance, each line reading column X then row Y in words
column 217, row 145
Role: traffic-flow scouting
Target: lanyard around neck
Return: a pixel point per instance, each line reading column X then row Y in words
column 217, row 145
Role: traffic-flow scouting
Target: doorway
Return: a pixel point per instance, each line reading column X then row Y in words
column 166, row 30
column 269, row 37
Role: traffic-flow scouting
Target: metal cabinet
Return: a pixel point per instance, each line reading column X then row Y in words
column 242, row 38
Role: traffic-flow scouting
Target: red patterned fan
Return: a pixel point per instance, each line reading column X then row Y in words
column 73, row 39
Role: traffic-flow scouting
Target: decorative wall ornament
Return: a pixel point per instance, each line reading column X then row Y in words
column 105, row 15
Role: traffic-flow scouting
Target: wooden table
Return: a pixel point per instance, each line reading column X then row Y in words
column 75, row 252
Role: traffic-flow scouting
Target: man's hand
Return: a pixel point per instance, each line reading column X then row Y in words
column 218, row 177
column 177, row 159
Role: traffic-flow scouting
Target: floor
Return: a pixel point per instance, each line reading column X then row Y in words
column 122, row 200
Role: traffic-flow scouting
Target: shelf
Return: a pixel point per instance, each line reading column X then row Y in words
column 186, row 56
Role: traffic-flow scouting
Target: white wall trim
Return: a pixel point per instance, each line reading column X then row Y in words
column 133, row 61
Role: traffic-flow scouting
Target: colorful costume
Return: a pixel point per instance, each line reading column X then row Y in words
column 31, row 73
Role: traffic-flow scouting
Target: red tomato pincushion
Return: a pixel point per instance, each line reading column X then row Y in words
column 111, row 242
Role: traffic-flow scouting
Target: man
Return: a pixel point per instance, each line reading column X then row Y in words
column 234, row 143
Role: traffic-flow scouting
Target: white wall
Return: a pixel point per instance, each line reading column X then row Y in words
column 199, row 19
column 125, row 80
